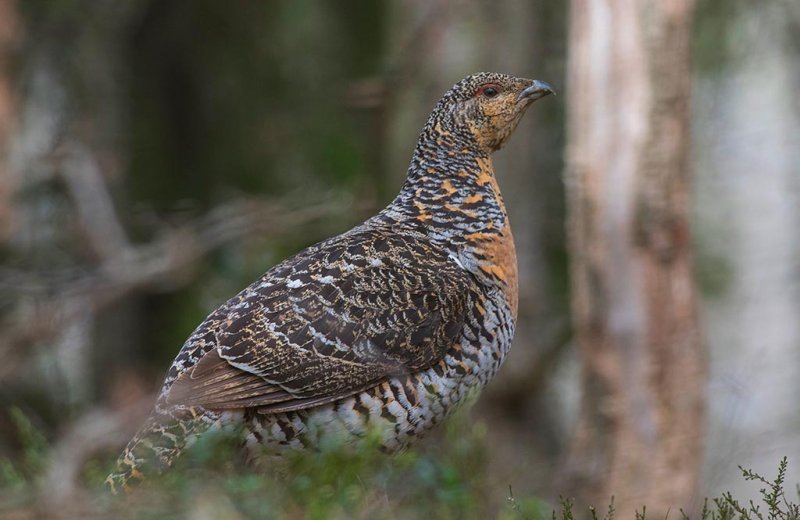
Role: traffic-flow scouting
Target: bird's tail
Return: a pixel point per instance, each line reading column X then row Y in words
column 158, row 444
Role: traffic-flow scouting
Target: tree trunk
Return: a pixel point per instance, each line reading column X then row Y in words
column 9, row 36
column 640, row 430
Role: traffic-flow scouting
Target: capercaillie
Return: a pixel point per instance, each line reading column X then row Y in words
column 386, row 327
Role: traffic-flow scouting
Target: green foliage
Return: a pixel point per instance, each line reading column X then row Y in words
column 525, row 507
column 439, row 479
column 336, row 482
column 778, row 506
column 443, row 479
column 33, row 459
column 724, row 507
column 610, row 512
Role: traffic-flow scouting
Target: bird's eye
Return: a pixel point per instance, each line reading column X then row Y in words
column 488, row 91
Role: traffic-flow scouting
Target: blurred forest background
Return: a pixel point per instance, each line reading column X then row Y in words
column 157, row 156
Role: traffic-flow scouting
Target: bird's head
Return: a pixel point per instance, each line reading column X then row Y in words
column 487, row 107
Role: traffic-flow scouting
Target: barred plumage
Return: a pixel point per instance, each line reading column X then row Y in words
column 386, row 327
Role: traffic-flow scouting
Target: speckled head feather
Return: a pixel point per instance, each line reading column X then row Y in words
column 486, row 107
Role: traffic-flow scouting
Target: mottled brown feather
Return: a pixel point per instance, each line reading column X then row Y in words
column 385, row 317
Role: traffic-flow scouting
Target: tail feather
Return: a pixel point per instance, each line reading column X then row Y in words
column 158, row 444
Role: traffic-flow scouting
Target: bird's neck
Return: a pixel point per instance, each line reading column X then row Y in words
column 451, row 185
column 452, row 195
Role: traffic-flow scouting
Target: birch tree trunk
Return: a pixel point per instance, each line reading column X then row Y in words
column 640, row 430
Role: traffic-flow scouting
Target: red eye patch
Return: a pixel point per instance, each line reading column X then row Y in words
column 489, row 90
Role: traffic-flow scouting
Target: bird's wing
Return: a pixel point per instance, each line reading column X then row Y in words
column 330, row 323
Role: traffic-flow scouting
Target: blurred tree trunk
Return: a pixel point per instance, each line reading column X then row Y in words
column 641, row 424
column 9, row 36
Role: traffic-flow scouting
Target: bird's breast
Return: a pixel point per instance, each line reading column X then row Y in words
column 490, row 245
column 495, row 257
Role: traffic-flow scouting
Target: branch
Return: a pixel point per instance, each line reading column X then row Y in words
column 48, row 303
column 92, row 201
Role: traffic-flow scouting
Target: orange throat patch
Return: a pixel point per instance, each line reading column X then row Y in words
column 501, row 263
column 498, row 248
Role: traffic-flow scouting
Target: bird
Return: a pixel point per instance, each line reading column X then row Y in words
column 386, row 327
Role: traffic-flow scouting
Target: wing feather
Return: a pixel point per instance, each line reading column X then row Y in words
column 333, row 322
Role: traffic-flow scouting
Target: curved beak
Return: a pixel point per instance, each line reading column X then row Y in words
column 537, row 90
